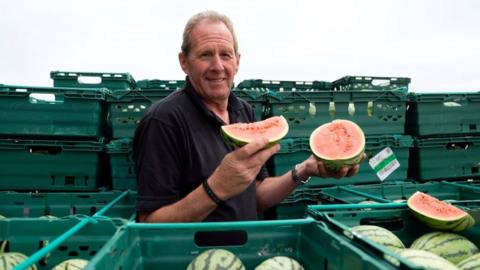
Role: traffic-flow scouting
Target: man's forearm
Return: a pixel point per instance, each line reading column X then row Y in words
column 196, row 206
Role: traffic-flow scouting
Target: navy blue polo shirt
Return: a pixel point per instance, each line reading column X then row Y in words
column 178, row 145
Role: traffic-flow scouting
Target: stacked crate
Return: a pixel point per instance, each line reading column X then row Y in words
column 446, row 127
column 378, row 108
column 52, row 138
column 57, row 141
column 55, row 198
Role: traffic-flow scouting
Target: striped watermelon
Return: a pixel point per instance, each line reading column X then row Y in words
column 239, row 134
column 216, row 259
column 279, row 263
column 470, row 263
column 426, row 259
column 9, row 260
column 437, row 214
column 71, row 264
column 379, row 235
column 450, row 246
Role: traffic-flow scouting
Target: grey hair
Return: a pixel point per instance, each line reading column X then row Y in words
column 211, row 16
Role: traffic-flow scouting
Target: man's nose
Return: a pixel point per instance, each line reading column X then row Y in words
column 216, row 63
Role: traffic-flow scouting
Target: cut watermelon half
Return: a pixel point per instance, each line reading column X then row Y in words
column 338, row 143
column 437, row 214
column 239, row 134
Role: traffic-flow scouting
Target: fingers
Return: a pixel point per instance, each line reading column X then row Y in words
column 341, row 173
column 253, row 147
column 258, row 150
column 353, row 171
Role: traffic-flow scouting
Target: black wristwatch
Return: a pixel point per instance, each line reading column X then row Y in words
column 296, row 178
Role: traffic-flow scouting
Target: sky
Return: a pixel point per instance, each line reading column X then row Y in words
column 436, row 43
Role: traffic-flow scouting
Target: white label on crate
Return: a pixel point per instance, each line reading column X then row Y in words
column 384, row 163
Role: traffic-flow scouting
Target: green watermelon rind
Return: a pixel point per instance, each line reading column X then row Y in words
column 380, row 236
column 279, row 262
column 450, row 246
column 71, row 264
column 426, row 259
column 337, row 164
column 472, row 262
column 216, row 258
column 239, row 142
column 8, row 257
column 454, row 225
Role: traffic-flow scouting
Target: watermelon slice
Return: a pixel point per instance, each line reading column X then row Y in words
column 239, row 134
column 338, row 143
column 437, row 214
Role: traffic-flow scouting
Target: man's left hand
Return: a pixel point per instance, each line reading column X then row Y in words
column 315, row 167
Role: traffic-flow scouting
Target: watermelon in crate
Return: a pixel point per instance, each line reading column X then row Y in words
column 424, row 246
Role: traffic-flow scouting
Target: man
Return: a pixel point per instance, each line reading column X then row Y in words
column 185, row 170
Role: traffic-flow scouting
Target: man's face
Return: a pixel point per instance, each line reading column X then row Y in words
column 211, row 63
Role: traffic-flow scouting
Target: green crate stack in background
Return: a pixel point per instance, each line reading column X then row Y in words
column 280, row 86
column 66, row 151
column 52, row 138
column 365, row 83
column 378, row 108
column 446, row 127
column 64, row 204
column 110, row 80
column 122, row 165
column 376, row 112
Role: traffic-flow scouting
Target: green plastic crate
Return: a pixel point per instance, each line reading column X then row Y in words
column 295, row 205
column 440, row 114
column 296, row 150
column 61, row 204
column 445, row 158
column 51, row 165
column 392, row 216
column 45, row 111
column 275, row 85
column 122, row 165
column 173, row 246
column 257, row 99
column 371, row 83
column 160, row 84
column 30, row 235
column 126, row 108
column 376, row 112
column 389, row 192
column 110, row 80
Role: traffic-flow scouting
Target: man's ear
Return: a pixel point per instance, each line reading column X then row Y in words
column 238, row 63
column 182, row 59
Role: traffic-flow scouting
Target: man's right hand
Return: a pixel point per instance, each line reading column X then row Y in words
column 239, row 168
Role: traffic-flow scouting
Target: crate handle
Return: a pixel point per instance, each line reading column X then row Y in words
column 82, row 79
column 380, row 82
column 45, row 98
column 44, row 150
column 390, row 223
column 457, row 146
column 221, row 238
